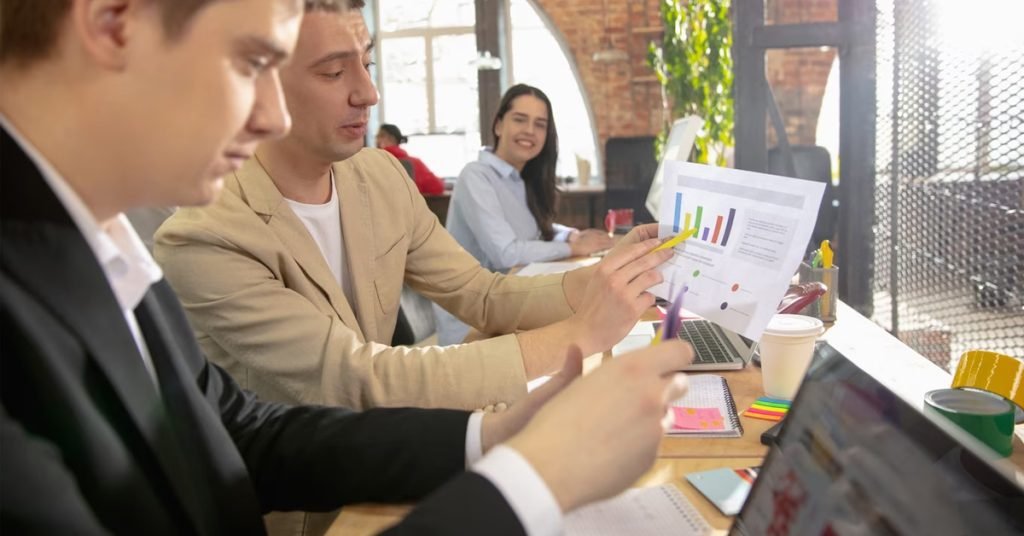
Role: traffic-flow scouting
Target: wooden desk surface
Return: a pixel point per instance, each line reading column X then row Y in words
column 373, row 518
column 897, row 366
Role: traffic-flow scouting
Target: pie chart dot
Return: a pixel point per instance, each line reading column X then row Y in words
column 725, row 305
column 735, row 287
column 696, row 273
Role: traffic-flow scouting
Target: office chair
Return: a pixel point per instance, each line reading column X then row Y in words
column 415, row 319
column 629, row 169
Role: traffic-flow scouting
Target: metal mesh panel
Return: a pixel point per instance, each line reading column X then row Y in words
column 949, row 207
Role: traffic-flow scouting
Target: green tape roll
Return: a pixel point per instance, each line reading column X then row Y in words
column 984, row 416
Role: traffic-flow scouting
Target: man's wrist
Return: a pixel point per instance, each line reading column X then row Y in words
column 574, row 285
column 546, row 464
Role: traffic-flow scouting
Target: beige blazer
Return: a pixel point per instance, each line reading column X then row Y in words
column 266, row 306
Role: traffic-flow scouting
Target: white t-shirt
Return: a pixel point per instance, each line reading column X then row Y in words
column 324, row 224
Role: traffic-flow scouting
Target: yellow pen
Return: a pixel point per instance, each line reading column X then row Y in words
column 676, row 240
column 826, row 254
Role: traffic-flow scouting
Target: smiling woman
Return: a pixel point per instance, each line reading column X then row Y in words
column 503, row 208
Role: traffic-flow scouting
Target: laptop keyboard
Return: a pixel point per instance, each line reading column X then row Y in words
column 708, row 343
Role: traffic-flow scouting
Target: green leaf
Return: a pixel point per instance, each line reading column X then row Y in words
column 693, row 64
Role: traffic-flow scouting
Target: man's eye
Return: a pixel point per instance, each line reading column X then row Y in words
column 336, row 74
column 258, row 64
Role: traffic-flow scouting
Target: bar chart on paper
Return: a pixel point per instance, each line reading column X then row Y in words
column 747, row 235
column 717, row 234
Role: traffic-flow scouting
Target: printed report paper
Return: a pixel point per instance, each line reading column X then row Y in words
column 752, row 230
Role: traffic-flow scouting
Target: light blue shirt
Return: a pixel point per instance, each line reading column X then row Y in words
column 489, row 217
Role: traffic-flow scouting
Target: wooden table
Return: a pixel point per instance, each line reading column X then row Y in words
column 887, row 359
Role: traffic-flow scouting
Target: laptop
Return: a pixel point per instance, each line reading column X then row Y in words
column 854, row 458
column 714, row 347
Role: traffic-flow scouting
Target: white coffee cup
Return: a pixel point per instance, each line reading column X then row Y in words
column 786, row 349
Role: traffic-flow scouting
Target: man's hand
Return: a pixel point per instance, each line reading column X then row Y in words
column 617, row 295
column 639, row 233
column 499, row 427
column 576, row 281
column 601, row 433
column 588, row 241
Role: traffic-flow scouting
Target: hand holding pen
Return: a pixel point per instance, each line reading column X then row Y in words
column 669, row 329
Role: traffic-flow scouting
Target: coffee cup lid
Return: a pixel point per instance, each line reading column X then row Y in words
column 783, row 325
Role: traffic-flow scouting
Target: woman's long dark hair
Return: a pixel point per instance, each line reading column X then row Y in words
column 539, row 173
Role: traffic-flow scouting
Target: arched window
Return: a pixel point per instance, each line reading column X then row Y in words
column 427, row 79
column 534, row 40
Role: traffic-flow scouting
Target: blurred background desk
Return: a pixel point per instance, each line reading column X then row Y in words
column 581, row 207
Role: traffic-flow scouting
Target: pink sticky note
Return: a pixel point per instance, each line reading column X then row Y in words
column 697, row 419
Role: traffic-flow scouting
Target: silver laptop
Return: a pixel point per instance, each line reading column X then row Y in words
column 714, row 347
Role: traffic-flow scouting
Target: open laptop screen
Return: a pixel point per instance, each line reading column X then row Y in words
column 854, row 458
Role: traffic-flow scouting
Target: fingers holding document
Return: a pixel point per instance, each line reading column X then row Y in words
column 616, row 295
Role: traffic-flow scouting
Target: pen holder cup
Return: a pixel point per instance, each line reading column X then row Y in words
column 824, row 308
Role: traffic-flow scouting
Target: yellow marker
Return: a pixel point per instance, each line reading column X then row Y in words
column 657, row 337
column 826, row 254
column 673, row 242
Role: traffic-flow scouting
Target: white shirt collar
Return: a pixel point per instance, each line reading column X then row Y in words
column 504, row 169
column 127, row 264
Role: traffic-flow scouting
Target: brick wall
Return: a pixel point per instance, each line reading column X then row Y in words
column 625, row 97
column 798, row 76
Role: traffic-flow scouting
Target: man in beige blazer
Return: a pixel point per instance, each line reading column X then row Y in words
column 268, row 305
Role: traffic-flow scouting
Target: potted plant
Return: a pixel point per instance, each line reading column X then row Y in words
column 693, row 63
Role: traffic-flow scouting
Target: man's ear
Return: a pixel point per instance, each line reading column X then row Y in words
column 101, row 27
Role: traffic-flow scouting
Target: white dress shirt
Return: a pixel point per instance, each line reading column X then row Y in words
column 489, row 217
column 127, row 264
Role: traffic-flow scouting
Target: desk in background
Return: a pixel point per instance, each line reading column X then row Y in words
column 894, row 364
column 578, row 206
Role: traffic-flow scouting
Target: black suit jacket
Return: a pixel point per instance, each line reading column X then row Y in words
column 88, row 444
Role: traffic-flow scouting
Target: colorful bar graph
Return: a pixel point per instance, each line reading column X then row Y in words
column 692, row 220
column 718, row 227
column 679, row 209
column 728, row 227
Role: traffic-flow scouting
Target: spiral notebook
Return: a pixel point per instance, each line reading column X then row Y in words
column 707, row 410
column 650, row 511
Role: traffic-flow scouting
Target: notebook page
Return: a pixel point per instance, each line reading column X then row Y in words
column 639, row 512
column 710, row 391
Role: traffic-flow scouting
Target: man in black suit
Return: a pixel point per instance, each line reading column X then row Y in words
column 112, row 421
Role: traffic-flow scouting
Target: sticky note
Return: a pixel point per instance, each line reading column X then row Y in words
column 697, row 419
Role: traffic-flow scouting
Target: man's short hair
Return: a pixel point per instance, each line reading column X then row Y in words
column 28, row 28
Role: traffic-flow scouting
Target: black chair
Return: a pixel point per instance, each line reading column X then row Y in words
column 629, row 169
column 415, row 319
column 813, row 163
